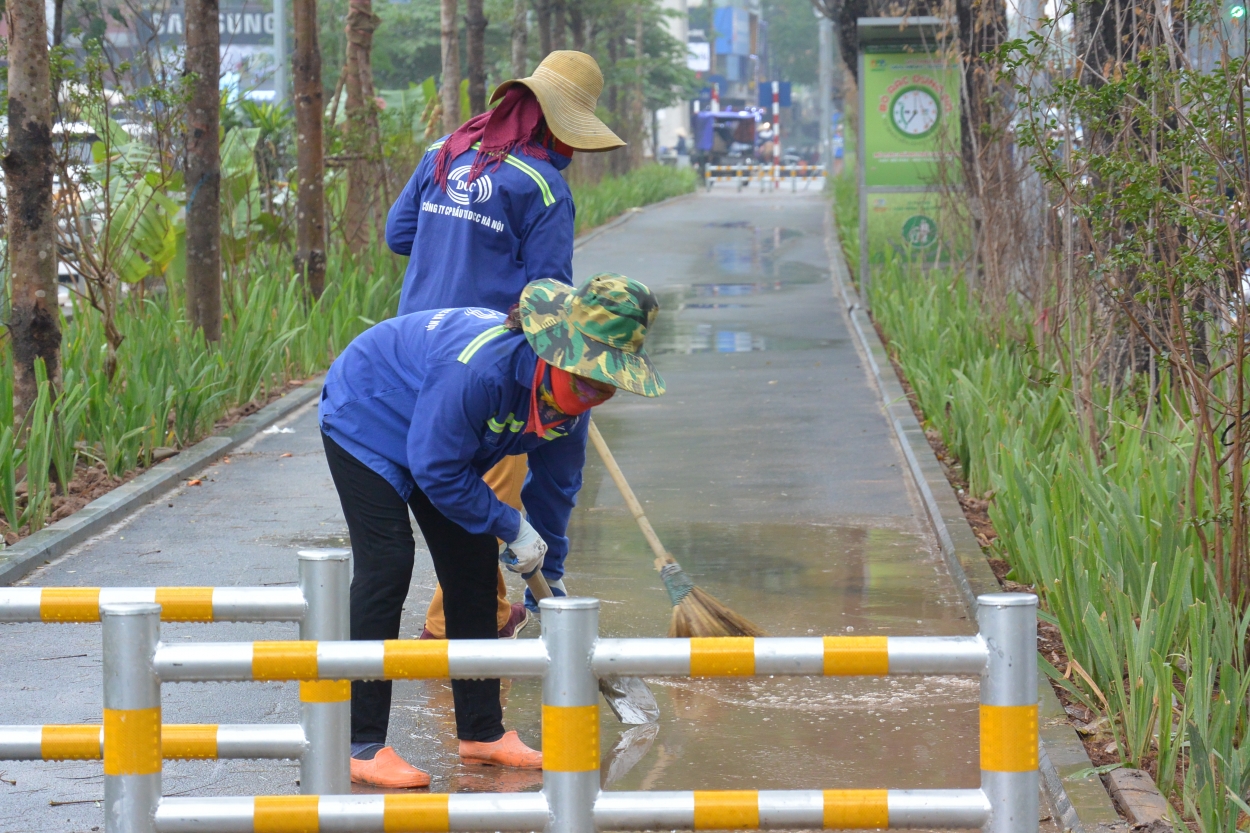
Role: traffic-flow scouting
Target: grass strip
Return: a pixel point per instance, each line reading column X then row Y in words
column 1151, row 644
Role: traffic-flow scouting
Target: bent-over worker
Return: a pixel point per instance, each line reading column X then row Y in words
column 412, row 414
column 486, row 212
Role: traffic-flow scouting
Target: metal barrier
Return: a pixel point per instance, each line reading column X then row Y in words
column 744, row 175
column 319, row 604
column 569, row 658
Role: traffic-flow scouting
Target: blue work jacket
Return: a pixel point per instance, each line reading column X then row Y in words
column 436, row 399
column 478, row 245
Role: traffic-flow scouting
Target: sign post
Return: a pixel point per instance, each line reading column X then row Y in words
column 280, row 57
column 776, row 135
column 908, row 129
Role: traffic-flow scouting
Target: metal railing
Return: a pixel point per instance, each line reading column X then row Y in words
column 569, row 658
column 765, row 175
column 319, row 604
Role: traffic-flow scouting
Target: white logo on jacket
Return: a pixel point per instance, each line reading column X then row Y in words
column 463, row 192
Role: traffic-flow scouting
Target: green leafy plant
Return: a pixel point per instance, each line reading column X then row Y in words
column 1151, row 641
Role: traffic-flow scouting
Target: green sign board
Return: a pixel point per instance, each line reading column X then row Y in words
column 911, row 118
column 909, row 142
column 913, row 226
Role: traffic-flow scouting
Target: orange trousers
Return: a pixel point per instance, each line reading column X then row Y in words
column 505, row 480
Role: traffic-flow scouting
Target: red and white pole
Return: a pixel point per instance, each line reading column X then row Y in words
column 776, row 134
column 715, row 97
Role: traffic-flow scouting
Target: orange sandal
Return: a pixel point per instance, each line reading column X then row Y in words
column 507, row 751
column 387, row 769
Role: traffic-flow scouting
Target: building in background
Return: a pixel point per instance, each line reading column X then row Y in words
column 151, row 35
column 739, row 50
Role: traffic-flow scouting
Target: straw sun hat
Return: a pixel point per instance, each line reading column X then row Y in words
column 567, row 85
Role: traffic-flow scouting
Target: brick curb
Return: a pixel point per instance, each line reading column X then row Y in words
column 1080, row 805
column 53, row 541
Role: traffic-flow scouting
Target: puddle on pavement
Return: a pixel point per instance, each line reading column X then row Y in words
column 874, row 577
column 701, row 325
column 758, row 733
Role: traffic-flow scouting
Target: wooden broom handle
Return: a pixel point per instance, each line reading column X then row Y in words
column 635, row 508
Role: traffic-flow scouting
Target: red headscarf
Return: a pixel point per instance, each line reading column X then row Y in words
column 509, row 126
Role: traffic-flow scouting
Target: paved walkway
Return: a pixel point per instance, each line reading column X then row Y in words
column 768, row 470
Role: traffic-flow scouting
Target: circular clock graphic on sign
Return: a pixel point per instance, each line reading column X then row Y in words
column 915, row 112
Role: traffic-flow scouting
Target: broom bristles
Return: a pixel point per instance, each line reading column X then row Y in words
column 702, row 614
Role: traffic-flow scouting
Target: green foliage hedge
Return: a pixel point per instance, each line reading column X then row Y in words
column 1098, row 531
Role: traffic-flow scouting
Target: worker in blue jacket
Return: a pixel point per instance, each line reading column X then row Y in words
column 412, row 414
column 486, row 212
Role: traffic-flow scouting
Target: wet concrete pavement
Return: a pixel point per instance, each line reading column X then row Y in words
column 768, row 470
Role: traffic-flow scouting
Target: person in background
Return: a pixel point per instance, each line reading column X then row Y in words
column 412, row 414
column 485, row 213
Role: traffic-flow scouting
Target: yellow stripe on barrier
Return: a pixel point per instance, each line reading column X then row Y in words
column 69, row 604
column 284, row 660
column 571, row 738
column 726, row 809
column 409, row 659
column 132, row 741
column 416, row 813
column 1009, row 738
column 325, row 691
column 857, row 809
column 847, row 656
column 722, row 656
column 189, row 741
column 185, row 604
column 285, row 814
column 70, row 743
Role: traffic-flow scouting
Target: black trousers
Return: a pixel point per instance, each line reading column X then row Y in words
column 382, row 556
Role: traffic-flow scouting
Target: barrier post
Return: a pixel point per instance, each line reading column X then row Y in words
column 570, row 713
column 325, row 705
column 1009, row 779
column 132, row 717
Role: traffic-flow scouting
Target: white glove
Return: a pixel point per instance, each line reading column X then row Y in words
column 527, row 550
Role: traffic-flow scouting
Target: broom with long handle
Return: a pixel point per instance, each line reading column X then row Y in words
column 695, row 611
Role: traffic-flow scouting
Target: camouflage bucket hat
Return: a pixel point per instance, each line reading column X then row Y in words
column 596, row 330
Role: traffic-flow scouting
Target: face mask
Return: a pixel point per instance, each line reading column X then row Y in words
column 544, row 413
column 574, row 395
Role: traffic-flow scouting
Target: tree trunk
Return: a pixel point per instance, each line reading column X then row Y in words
column 451, row 67
column 982, row 29
column 577, row 22
column 542, row 9
column 618, row 99
column 203, row 169
column 559, row 25
column 475, row 47
column 520, row 38
column 361, row 131
column 310, row 234
column 639, row 108
column 34, row 320
column 58, row 22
